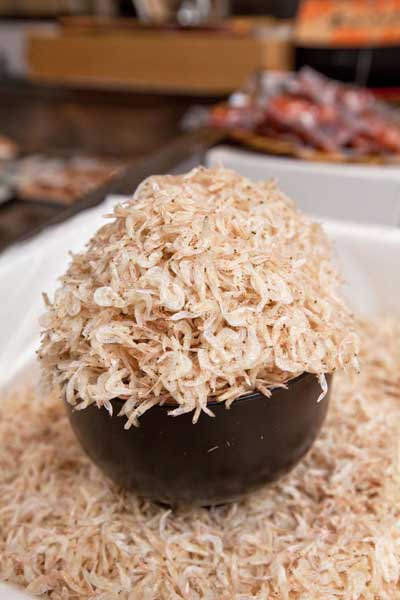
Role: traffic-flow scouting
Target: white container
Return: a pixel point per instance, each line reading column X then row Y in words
column 367, row 255
column 363, row 194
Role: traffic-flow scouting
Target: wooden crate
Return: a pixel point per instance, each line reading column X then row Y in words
column 197, row 62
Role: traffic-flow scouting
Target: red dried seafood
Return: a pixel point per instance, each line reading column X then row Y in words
column 313, row 112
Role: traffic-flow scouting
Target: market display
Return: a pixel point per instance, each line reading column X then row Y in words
column 198, row 414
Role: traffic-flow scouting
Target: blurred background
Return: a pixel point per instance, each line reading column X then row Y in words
column 89, row 87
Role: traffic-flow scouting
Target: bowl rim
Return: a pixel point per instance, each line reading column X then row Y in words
column 243, row 398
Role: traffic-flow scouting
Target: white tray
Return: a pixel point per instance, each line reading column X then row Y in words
column 368, row 256
column 363, row 194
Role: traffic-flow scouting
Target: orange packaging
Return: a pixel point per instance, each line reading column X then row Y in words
column 348, row 23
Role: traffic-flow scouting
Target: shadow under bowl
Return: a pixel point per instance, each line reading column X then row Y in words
column 217, row 460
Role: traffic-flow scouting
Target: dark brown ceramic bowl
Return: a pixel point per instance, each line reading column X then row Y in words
column 216, row 460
